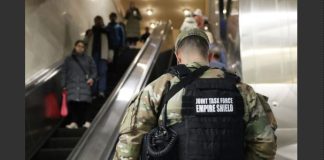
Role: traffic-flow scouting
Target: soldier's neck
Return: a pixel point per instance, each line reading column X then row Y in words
column 197, row 59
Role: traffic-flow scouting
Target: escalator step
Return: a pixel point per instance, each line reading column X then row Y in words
column 62, row 142
column 53, row 154
column 64, row 132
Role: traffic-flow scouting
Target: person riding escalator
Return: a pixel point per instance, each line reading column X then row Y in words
column 78, row 74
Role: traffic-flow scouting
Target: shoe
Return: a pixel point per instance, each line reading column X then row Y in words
column 102, row 94
column 86, row 124
column 72, row 125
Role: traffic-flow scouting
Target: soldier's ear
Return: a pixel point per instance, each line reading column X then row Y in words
column 176, row 53
column 210, row 55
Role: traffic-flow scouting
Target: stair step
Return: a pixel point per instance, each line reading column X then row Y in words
column 65, row 132
column 53, row 154
column 62, row 142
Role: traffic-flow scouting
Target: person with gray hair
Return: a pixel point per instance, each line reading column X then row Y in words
column 188, row 23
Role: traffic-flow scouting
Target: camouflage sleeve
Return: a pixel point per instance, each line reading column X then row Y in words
column 260, row 135
column 140, row 117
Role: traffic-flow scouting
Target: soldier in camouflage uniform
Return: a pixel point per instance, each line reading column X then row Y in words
column 140, row 117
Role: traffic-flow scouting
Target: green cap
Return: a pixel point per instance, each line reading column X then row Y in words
column 192, row 32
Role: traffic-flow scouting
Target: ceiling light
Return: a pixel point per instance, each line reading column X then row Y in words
column 82, row 34
column 186, row 12
column 224, row 11
column 152, row 25
column 149, row 12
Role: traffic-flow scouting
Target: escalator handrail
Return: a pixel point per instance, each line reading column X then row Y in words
column 108, row 101
column 41, row 77
column 79, row 149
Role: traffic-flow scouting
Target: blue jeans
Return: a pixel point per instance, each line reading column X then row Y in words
column 103, row 75
column 102, row 68
column 96, row 57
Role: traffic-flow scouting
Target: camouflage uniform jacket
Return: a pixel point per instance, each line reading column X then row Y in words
column 140, row 118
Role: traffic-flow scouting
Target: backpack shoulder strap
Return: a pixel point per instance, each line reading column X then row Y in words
column 232, row 76
column 190, row 77
column 180, row 71
column 79, row 64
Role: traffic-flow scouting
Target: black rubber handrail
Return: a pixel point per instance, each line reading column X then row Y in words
column 98, row 141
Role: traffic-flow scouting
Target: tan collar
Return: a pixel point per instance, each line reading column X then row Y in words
column 196, row 64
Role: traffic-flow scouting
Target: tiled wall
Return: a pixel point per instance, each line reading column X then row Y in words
column 52, row 26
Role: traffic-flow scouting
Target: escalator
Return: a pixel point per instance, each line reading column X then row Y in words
column 60, row 144
column 65, row 143
column 98, row 142
column 63, row 140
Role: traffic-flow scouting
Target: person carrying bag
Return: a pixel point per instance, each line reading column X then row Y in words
column 78, row 75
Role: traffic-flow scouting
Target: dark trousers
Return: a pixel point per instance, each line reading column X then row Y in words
column 115, row 59
column 132, row 40
column 78, row 112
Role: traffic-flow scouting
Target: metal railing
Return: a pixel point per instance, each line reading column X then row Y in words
column 99, row 140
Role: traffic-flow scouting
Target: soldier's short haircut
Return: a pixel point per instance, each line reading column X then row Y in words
column 195, row 42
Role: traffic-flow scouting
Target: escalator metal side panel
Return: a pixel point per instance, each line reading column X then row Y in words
column 99, row 139
column 42, row 97
column 160, row 67
column 268, row 33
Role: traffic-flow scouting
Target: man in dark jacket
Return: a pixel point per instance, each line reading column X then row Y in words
column 78, row 74
column 115, row 36
column 98, row 48
column 146, row 34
